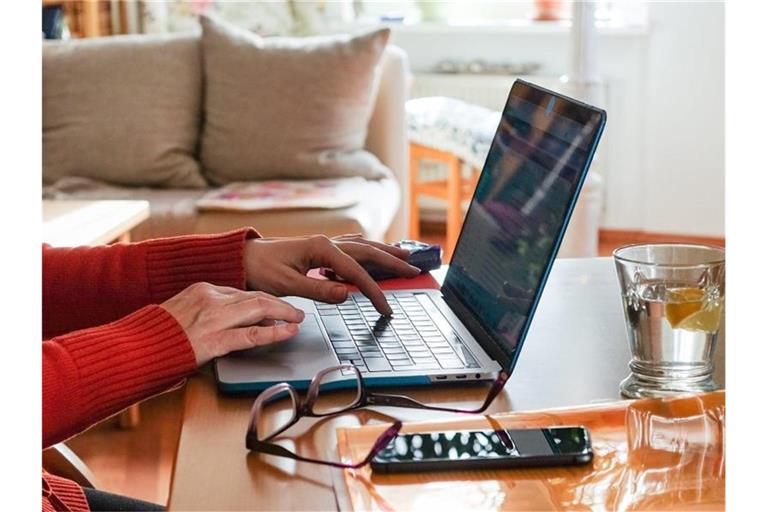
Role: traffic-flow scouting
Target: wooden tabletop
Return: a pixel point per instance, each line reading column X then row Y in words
column 74, row 223
column 576, row 353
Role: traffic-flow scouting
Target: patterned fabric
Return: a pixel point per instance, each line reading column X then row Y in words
column 274, row 18
column 452, row 125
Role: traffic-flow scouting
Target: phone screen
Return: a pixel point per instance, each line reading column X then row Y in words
column 487, row 444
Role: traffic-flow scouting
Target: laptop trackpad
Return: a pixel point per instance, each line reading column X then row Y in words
column 296, row 359
column 309, row 340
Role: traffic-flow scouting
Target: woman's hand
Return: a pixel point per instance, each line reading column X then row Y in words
column 279, row 266
column 218, row 319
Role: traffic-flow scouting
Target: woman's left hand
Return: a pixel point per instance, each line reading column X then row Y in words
column 279, row 266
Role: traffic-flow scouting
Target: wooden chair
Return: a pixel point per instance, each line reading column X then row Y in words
column 455, row 190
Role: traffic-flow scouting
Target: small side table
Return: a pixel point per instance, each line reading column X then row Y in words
column 77, row 223
column 454, row 190
column 457, row 134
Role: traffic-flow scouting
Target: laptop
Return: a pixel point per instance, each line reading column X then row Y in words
column 475, row 324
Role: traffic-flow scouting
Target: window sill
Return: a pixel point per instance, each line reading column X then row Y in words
column 521, row 27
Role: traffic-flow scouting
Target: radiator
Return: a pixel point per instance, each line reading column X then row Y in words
column 489, row 91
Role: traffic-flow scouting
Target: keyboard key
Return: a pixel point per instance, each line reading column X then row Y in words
column 343, row 344
column 393, row 350
column 335, row 327
column 401, row 365
column 423, row 360
column 390, row 344
column 443, row 351
column 377, row 364
column 419, row 351
column 401, row 356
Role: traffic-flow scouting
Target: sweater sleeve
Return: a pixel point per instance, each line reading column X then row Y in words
column 88, row 286
column 90, row 374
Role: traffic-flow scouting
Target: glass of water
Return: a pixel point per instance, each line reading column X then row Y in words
column 674, row 302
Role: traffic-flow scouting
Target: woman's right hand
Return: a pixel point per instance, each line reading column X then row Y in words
column 218, row 319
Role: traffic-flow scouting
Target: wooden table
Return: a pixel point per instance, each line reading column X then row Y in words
column 576, row 353
column 77, row 223
column 73, row 223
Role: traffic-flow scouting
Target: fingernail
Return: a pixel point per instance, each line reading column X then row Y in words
column 415, row 270
column 293, row 328
column 300, row 314
column 339, row 293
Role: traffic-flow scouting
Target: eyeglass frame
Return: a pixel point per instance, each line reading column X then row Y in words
column 303, row 407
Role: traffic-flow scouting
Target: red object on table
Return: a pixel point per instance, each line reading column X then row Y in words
column 422, row 281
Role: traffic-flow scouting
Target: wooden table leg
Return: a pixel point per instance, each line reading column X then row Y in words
column 129, row 418
column 413, row 192
column 454, row 221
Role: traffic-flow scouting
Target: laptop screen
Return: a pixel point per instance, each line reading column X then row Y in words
column 535, row 166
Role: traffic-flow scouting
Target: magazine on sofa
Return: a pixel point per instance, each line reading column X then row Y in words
column 282, row 194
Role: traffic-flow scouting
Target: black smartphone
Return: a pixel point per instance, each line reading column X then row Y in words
column 484, row 449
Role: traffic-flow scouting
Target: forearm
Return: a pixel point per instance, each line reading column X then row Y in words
column 89, row 375
column 87, row 286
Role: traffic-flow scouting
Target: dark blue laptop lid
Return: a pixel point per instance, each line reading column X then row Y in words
column 527, row 190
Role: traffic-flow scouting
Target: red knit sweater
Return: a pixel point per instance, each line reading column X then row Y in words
column 107, row 343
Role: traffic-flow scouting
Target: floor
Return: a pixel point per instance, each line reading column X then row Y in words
column 139, row 462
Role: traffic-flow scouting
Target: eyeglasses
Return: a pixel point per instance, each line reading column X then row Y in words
column 263, row 428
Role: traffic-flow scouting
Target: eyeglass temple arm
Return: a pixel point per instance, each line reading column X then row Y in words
column 252, row 443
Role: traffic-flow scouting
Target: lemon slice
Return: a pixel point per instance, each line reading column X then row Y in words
column 707, row 320
column 682, row 303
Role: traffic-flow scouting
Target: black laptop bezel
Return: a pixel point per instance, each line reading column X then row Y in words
column 453, row 299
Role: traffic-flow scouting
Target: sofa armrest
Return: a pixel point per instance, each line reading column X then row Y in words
column 387, row 137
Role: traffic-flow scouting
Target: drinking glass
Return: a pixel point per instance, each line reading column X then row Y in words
column 674, row 301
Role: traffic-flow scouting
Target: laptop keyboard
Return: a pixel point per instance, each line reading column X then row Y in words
column 409, row 340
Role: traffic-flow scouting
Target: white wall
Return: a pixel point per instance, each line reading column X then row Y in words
column 663, row 149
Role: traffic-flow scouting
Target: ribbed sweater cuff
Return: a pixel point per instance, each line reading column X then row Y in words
column 68, row 492
column 128, row 360
column 175, row 263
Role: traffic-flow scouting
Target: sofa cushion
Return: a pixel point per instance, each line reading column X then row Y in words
column 287, row 107
column 123, row 109
column 173, row 211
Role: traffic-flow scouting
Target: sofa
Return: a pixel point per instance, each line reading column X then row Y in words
column 75, row 149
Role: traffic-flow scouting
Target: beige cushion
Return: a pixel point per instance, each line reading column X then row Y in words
column 125, row 110
column 287, row 107
column 173, row 211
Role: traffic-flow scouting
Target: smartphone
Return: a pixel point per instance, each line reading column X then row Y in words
column 484, row 449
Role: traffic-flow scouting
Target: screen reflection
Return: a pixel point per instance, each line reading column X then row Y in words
column 537, row 159
column 457, row 445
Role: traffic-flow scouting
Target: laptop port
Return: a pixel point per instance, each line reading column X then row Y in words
column 461, row 376
column 441, row 377
column 477, row 375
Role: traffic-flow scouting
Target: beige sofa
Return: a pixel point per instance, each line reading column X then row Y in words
column 380, row 213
